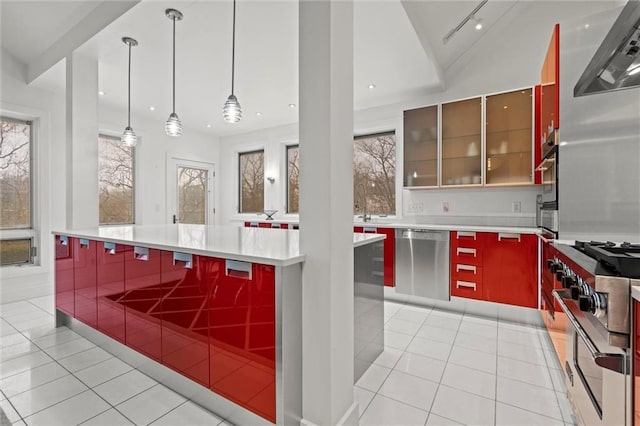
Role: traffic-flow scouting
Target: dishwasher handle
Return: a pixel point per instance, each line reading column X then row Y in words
column 424, row 234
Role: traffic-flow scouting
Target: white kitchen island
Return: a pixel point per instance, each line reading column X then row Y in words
column 213, row 312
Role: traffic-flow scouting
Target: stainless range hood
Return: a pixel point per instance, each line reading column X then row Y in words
column 616, row 63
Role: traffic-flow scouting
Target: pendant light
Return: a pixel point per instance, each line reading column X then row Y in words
column 129, row 137
column 232, row 112
column 173, row 126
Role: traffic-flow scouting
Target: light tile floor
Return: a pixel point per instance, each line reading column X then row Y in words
column 438, row 368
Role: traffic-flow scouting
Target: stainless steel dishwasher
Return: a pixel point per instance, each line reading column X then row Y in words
column 422, row 263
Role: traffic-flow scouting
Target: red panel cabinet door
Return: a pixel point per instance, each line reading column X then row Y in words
column 186, row 281
column 636, row 363
column 64, row 275
column 466, row 264
column 264, row 225
column 280, row 225
column 537, row 141
column 110, row 289
column 251, row 224
column 550, row 87
column 84, row 279
column 510, row 269
column 143, row 292
column 242, row 335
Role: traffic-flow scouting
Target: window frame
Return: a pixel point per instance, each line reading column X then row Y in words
column 239, row 178
column 286, row 156
column 133, row 186
column 30, row 232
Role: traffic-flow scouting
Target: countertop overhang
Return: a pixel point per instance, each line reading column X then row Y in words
column 277, row 247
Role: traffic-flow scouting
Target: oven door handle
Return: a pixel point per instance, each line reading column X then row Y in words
column 614, row 362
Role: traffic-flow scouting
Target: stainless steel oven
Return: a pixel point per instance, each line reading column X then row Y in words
column 549, row 168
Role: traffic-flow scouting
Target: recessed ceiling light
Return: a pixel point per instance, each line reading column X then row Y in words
column 152, row 108
column 292, row 105
column 208, row 126
column 564, row 143
column 505, row 107
column 101, row 93
column 478, row 23
column 586, row 25
column 372, row 86
column 258, row 113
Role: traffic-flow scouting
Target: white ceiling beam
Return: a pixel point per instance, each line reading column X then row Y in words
column 411, row 8
column 104, row 14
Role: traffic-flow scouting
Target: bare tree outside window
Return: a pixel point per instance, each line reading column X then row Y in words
column 115, row 181
column 293, row 176
column 192, row 193
column 251, row 183
column 15, row 174
column 374, row 167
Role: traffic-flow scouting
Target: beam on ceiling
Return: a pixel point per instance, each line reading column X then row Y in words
column 104, row 14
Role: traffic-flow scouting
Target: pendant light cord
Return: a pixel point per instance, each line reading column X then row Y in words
column 174, row 65
column 129, row 90
column 233, row 48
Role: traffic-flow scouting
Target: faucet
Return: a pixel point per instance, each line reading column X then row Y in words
column 365, row 218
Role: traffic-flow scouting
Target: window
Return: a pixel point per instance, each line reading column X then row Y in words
column 251, row 182
column 115, row 181
column 293, row 175
column 374, row 173
column 15, row 191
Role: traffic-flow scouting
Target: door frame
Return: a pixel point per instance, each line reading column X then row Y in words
column 173, row 162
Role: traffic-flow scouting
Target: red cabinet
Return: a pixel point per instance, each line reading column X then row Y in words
column 143, row 292
column 84, row 279
column 186, row 280
column 550, row 88
column 242, row 335
column 110, row 289
column 466, row 264
column 389, row 251
column 64, row 275
column 510, row 269
column 636, row 363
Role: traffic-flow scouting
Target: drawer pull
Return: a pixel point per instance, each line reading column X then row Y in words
column 466, row 284
column 508, row 236
column 466, row 234
column 462, row 250
column 187, row 258
column 237, row 269
column 84, row 242
column 141, row 253
column 466, row 268
column 109, row 248
column 276, row 225
column 253, row 224
column 64, row 240
column 296, row 226
column 369, row 230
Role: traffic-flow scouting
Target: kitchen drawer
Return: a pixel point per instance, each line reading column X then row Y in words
column 462, row 286
column 466, row 255
column 465, row 272
column 467, row 239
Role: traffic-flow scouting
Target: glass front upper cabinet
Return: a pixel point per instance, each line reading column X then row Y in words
column 421, row 147
column 462, row 142
column 509, row 136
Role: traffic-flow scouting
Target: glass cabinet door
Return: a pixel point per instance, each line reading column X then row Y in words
column 462, row 142
column 509, row 138
column 421, row 147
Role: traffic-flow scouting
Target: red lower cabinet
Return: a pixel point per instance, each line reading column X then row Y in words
column 64, row 275
column 242, row 335
column 510, row 273
column 110, row 289
column 636, row 363
column 143, row 293
column 84, row 278
column 186, row 281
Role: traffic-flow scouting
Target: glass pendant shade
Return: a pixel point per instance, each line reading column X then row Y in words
column 129, row 137
column 232, row 111
column 173, row 126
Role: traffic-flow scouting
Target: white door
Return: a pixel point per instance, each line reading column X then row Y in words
column 190, row 191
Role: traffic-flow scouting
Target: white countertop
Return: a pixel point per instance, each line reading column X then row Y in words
column 269, row 246
column 436, row 227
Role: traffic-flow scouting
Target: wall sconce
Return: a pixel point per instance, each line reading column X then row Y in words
column 271, row 179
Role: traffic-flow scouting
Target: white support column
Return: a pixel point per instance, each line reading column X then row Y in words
column 326, row 210
column 82, row 141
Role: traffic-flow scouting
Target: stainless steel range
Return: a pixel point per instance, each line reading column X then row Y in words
column 596, row 283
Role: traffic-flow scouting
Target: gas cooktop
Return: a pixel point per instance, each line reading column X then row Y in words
column 615, row 259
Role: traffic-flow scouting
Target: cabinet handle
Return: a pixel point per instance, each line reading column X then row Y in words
column 369, row 230
column 235, row 268
column 187, row 258
column 508, row 236
column 109, row 248
column 253, row 224
column 84, row 242
column 466, row 284
column 296, row 226
column 462, row 250
column 466, row 234
column 140, row 253
column 64, row 240
column 276, row 225
column 466, row 268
